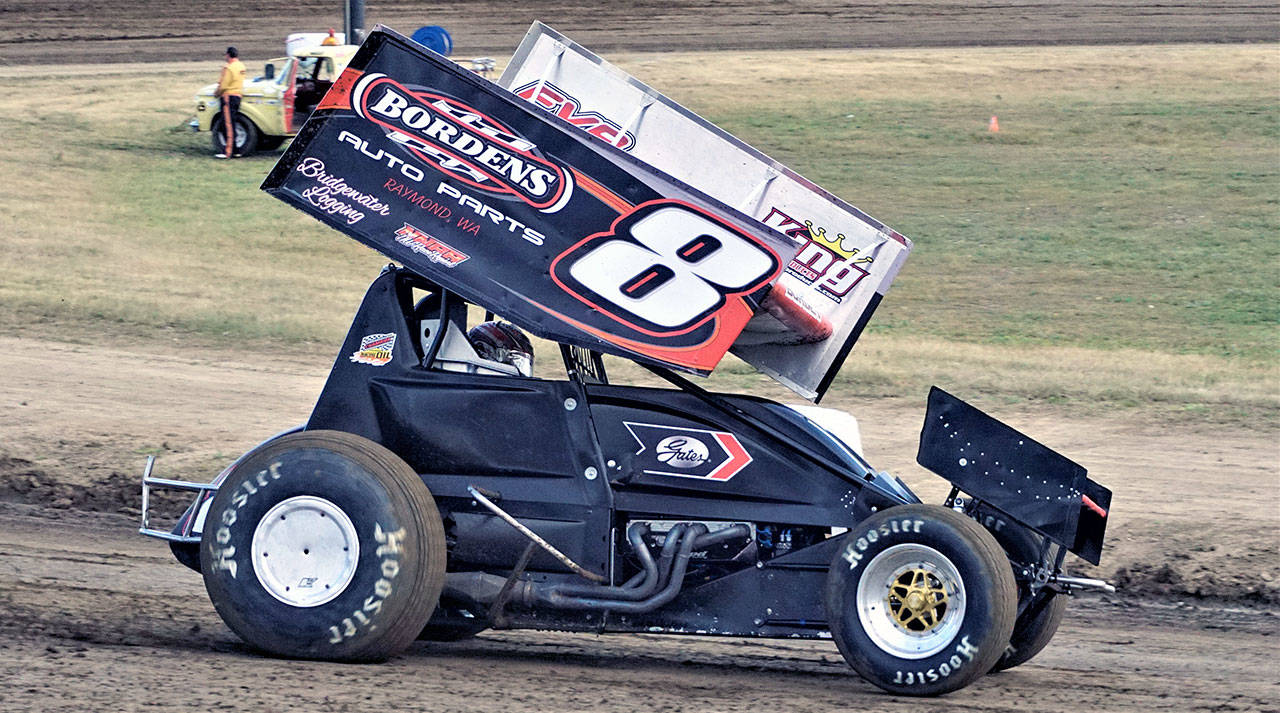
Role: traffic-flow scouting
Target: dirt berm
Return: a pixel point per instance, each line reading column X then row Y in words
column 130, row 31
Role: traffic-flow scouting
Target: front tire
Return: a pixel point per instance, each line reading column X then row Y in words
column 921, row 600
column 324, row 545
column 246, row 134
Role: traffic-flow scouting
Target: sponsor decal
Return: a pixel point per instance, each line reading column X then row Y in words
column 462, row 142
column 486, row 211
column 436, row 250
column 557, row 101
column 687, row 452
column 333, row 195
column 375, row 349
column 830, row 265
column 361, row 146
column 682, row 452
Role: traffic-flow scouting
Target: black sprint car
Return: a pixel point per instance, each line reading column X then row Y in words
column 437, row 494
column 437, row 491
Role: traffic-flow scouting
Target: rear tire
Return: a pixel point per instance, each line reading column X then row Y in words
column 921, row 600
column 324, row 545
column 1033, row 630
column 1039, row 621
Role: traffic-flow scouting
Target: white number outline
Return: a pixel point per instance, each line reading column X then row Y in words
column 620, row 230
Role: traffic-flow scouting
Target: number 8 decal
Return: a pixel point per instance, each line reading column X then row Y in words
column 664, row 268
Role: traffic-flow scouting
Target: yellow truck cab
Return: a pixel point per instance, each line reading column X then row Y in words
column 276, row 104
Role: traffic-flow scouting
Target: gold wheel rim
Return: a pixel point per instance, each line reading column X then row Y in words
column 917, row 600
column 911, row 601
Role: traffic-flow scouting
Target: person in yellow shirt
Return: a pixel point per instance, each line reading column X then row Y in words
column 230, row 89
column 330, row 40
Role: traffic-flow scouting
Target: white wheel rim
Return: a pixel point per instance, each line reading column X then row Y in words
column 305, row 551
column 911, row 601
column 237, row 132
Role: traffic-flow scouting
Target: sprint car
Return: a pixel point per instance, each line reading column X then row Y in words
column 436, row 491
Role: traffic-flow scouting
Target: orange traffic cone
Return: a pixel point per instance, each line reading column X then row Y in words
column 994, row 125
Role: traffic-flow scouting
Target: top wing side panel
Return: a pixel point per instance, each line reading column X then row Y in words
column 846, row 259
column 517, row 211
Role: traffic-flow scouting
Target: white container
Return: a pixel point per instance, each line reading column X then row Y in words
column 302, row 40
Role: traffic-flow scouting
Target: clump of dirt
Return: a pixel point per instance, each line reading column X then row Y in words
column 1242, row 584
column 23, row 481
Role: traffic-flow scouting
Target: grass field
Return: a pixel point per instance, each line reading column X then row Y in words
column 1115, row 243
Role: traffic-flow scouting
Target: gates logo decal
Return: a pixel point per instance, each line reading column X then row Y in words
column 462, row 142
column 687, row 452
column 375, row 349
column 682, row 452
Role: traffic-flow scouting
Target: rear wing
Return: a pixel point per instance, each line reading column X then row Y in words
column 846, row 259
column 520, row 213
column 1014, row 474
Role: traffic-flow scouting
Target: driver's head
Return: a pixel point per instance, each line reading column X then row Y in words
column 502, row 342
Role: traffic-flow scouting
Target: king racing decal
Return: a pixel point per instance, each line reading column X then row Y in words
column 832, row 265
column 687, row 452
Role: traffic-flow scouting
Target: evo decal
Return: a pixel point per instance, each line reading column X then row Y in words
column 557, row 101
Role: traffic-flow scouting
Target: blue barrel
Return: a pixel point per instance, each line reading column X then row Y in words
column 434, row 38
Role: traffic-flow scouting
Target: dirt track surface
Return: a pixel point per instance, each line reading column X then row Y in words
column 91, row 611
column 36, row 31
column 97, row 618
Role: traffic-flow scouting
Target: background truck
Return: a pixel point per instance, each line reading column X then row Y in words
column 276, row 104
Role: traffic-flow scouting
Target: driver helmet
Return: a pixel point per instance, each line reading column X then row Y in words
column 502, row 342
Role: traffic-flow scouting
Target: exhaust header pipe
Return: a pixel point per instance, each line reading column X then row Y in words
column 642, row 594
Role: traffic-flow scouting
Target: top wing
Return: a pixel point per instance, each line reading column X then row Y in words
column 846, row 259
column 519, row 212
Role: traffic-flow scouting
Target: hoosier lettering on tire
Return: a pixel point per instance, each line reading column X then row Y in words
column 921, row 600
column 324, row 545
